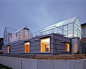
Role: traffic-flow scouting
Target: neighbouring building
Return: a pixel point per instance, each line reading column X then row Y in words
column 84, row 37
column 61, row 38
column 1, row 43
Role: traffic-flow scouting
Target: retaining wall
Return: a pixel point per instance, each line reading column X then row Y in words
column 25, row 63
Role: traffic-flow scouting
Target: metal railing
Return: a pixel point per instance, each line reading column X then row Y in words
column 25, row 36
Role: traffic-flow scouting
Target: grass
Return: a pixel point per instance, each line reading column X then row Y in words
column 2, row 66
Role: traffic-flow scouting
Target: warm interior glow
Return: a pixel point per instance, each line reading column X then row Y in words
column 70, row 35
column 27, row 47
column 45, row 45
column 75, row 35
column 67, row 47
column 8, row 49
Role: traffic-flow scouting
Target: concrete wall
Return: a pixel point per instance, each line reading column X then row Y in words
column 25, row 63
column 76, row 45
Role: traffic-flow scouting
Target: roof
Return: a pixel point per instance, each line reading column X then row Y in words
column 10, row 30
column 71, row 20
column 83, row 24
column 21, row 29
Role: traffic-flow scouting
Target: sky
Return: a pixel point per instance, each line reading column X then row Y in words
column 38, row 14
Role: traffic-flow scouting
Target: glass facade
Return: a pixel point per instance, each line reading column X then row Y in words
column 69, row 28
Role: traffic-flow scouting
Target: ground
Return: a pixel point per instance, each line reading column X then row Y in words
column 61, row 57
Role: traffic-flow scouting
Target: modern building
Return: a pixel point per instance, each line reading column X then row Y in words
column 61, row 38
column 84, row 36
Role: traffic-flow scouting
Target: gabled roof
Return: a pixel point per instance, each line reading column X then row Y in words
column 71, row 20
column 10, row 30
column 21, row 29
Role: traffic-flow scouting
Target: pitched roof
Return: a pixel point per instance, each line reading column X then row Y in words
column 83, row 24
column 71, row 20
column 20, row 29
column 10, row 30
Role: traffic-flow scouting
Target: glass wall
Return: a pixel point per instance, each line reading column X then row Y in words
column 67, row 28
column 77, row 29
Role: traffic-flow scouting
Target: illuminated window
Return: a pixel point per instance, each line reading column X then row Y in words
column 45, row 45
column 67, row 47
column 5, row 37
column 83, row 31
column 27, row 47
column 70, row 35
column 8, row 49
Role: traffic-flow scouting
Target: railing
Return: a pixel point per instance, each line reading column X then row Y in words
column 25, row 36
column 55, row 30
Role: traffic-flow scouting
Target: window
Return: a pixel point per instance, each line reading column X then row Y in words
column 11, row 36
column 5, row 37
column 67, row 47
column 83, row 31
column 27, row 47
column 16, row 34
column 8, row 49
column 45, row 45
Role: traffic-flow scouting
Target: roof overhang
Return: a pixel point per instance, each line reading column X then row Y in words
column 83, row 24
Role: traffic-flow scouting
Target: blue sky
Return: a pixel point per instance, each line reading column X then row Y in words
column 38, row 14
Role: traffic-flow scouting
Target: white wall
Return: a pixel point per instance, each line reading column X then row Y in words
column 5, row 33
column 75, row 45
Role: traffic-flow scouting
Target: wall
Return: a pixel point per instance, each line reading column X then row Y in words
column 84, row 35
column 5, row 33
column 59, row 42
column 75, row 45
column 24, row 63
column 35, row 44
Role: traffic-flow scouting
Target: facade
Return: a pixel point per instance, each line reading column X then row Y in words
column 61, row 38
column 84, row 37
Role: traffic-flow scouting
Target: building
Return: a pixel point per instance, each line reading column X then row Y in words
column 84, row 36
column 1, row 43
column 61, row 38
column 68, row 28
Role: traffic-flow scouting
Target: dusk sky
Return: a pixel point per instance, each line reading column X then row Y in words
column 38, row 14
